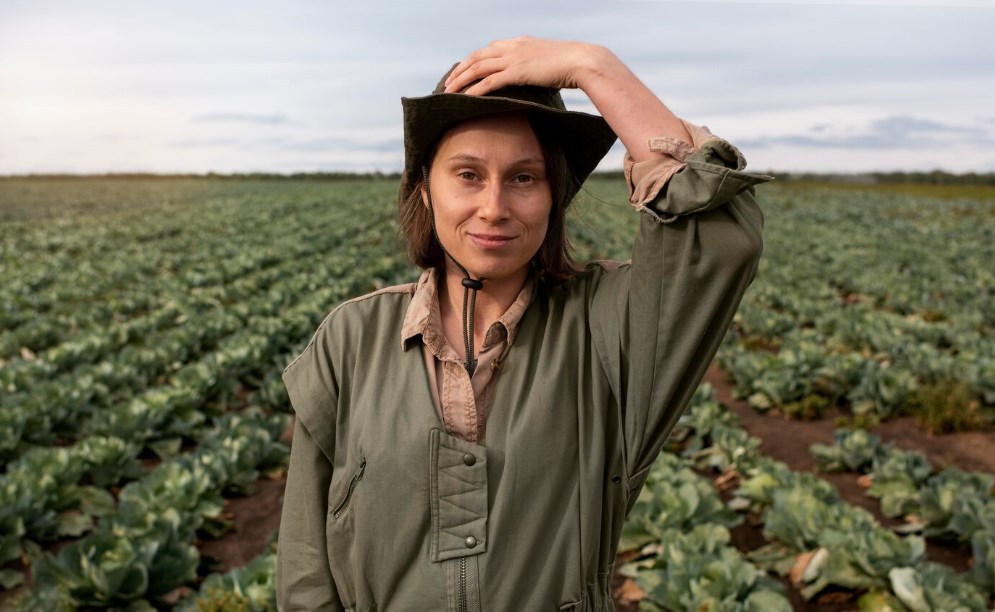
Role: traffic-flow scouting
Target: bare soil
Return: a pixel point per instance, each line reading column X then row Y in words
column 788, row 440
column 256, row 518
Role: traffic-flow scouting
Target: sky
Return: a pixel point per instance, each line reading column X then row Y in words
column 302, row 86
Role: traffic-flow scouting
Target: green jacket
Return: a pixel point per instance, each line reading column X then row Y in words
column 386, row 511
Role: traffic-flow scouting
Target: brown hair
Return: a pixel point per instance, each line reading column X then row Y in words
column 554, row 260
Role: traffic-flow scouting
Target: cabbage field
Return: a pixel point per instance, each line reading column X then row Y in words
column 145, row 322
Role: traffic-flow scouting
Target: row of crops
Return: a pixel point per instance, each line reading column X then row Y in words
column 882, row 304
column 145, row 325
column 817, row 541
column 141, row 356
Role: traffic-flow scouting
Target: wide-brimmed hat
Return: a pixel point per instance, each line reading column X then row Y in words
column 585, row 138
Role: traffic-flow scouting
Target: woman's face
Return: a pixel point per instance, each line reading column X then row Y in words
column 491, row 195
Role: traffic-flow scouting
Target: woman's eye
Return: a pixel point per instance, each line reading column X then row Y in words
column 466, row 175
column 524, row 178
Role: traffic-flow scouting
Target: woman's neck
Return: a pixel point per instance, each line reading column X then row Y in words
column 493, row 300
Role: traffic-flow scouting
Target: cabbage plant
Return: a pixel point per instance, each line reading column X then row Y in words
column 699, row 570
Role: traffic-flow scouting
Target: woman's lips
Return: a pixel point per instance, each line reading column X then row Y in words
column 491, row 241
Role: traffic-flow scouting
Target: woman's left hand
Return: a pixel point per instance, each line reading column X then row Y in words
column 630, row 108
column 525, row 61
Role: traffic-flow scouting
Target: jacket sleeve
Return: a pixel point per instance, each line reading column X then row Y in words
column 303, row 578
column 659, row 321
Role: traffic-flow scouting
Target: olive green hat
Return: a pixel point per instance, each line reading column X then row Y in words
column 585, row 138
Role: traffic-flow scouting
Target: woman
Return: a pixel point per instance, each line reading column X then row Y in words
column 429, row 475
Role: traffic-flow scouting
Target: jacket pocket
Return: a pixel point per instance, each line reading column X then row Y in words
column 343, row 504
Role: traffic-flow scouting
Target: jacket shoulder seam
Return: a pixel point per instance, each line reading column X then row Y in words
column 607, row 265
column 405, row 288
column 408, row 288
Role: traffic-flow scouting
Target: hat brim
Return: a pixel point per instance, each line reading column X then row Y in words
column 585, row 138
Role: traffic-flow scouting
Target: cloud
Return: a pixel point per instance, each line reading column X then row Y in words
column 896, row 131
column 901, row 127
column 194, row 143
column 346, row 144
column 317, row 83
column 274, row 119
column 858, row 3
column 117, row 137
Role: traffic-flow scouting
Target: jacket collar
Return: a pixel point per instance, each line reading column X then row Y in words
column 423, row 315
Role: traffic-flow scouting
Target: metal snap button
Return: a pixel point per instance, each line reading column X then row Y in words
column 469, row 459
column 470, row 541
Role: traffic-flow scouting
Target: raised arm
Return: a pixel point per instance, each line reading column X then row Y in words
column 658, row 321
column 634, row 112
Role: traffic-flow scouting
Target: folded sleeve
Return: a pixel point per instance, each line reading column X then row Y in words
column 658, row 321
column 303, row 577
column 646, row 179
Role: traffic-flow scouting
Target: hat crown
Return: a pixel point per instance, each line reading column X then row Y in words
column 543, row 96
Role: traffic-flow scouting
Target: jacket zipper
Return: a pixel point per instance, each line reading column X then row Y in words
column 463, row 605
column 352, row 485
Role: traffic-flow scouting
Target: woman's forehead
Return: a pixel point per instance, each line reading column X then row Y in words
column 492, row 135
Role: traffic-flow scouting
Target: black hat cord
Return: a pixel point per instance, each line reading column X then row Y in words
column 469, row 285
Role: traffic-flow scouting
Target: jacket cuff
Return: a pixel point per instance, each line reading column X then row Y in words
column 691, row 178
column 645, row 179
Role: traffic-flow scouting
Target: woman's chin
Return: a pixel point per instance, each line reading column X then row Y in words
column 497, row 272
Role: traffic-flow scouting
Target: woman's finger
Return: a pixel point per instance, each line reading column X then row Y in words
column 489, row 83
column 490, row 51
column 476, row 71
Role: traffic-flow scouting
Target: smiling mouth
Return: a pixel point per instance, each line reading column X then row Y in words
column 491, row 241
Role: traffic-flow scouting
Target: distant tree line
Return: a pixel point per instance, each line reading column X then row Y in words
column 934, row 177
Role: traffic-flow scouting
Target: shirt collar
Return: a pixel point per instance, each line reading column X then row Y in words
column 422, row 317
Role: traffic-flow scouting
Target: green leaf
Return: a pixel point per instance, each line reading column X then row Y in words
column 73, row 524
column 905, row 585
column 932, row 586
column 766, row 601
column 898, row 493
column 879, row 601
column 11, row 532
column 166, row 448
column 949, row 495
column 10, row 578
column 634, row 535
column 983, row 551
column 94, row 501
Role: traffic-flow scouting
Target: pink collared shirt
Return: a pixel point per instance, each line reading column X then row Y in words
column 460, row 400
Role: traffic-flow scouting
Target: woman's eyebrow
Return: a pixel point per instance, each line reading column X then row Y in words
column 473, row 159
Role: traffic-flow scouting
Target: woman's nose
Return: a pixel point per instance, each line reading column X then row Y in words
column 493, row 206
